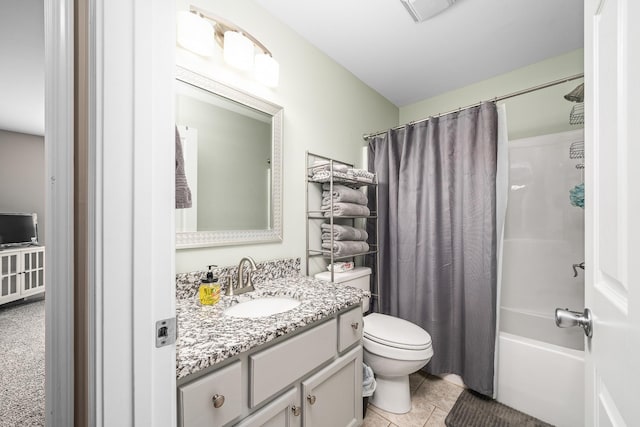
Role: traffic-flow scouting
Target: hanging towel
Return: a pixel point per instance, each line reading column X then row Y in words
column 346, row 248
column 342, row 232
column 345, row 209
column 343, row 194
column 183, row 193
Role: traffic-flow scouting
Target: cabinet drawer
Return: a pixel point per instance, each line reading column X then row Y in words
column 349, row 328
column 275, row 368
column 196, row 398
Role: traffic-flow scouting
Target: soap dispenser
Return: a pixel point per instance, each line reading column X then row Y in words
column 209, row 291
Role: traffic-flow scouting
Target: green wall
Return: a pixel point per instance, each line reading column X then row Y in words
column 537, row 113
column 326, row 111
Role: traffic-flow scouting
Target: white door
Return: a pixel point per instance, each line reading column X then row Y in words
column 612, row 142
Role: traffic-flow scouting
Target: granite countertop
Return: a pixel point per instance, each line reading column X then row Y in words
column 206, row 336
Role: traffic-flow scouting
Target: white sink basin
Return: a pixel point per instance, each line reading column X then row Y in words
column 261, row 307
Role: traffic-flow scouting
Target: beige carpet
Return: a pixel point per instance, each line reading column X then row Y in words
column 22, row 369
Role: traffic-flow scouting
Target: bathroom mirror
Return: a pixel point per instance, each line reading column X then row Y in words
column 232, row 152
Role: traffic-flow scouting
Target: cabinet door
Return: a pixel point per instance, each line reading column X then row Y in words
column 33, row 271
column 333, row 396
column 284, row 411
column 9, row 275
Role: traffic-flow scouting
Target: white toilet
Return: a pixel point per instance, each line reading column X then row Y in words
column 393, row 347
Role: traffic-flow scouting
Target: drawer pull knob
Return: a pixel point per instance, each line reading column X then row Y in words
column 295, row 410
column 218, row 400
column 311, row 398
column 355, row 325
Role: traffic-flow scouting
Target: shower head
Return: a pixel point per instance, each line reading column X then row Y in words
column 576, row 95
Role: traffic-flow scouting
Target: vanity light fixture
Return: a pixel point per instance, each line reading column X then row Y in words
column 241, row 50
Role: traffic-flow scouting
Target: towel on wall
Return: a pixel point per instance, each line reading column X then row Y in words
column 346, row 248
column 342, row 193
column 343, row 232
column 183, row 193
column 345, row 209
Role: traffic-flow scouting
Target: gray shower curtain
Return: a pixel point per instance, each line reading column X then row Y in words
column 437, row 236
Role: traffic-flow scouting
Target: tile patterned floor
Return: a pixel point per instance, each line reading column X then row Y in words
column 431, row 400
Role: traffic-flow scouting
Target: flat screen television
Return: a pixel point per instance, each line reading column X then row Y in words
column 18, row 229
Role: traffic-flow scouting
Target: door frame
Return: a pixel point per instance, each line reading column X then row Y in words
column 130, row 236
column 59, row 279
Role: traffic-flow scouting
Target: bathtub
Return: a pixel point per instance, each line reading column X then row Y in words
column 541, row 379
column 540, row 368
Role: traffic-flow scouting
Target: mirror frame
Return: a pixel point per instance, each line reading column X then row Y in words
column 200, row 239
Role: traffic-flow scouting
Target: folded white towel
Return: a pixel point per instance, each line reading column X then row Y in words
column 325, row 176
column 323, row 165
column 342, row 193
column 361, row 173
column 342, row 232
column 346, row 248
column 346, row 209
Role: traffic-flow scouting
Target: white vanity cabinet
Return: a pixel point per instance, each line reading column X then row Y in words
column 307, row 378
column 21, row 273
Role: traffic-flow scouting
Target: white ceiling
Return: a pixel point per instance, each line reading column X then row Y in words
column 22, row 70
column 374, row 39
column 407, row 62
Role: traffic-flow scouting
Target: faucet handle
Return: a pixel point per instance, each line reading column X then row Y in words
column 229, row 290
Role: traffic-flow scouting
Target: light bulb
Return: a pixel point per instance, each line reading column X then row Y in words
column 195, row 33
column 238, row 50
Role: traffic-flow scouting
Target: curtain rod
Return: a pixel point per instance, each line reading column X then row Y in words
column 496, row 99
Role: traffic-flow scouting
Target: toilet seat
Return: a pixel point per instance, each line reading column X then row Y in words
column 395, row 338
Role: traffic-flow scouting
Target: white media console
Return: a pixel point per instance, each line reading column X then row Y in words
column 21, row 273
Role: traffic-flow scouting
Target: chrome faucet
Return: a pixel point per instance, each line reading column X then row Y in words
column 243, row 285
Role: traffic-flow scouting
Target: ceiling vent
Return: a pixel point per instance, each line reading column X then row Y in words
column 421, row 10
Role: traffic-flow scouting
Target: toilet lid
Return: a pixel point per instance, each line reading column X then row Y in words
column 395, row 332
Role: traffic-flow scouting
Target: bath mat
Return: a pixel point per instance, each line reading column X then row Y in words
column 474, row 410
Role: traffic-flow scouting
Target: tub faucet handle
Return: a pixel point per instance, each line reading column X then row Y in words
column 576, row 267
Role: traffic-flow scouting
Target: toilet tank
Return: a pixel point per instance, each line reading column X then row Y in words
column 359, row 278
